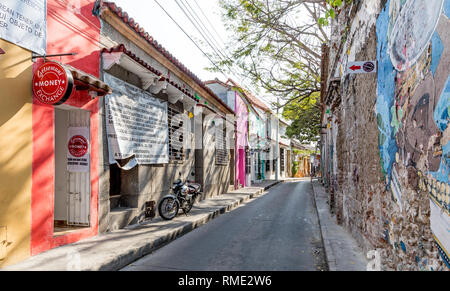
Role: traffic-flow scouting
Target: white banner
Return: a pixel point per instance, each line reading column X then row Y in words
column 78, row 147
column 136, row 124
column 24, row 23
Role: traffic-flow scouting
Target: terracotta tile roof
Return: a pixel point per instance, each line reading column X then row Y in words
column 140, row 30
column 122, row 48
column 87, row 81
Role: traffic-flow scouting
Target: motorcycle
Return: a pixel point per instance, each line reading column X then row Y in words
column 183, row 196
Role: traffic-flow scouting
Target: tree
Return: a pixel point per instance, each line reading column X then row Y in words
column 277, row 44
column 305, row 116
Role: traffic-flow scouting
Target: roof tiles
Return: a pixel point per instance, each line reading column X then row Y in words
column 139, row 30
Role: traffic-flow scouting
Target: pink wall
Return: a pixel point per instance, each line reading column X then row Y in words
column 69, row 29
column 241, row 138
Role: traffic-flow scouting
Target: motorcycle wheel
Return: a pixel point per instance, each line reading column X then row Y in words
column 168, row 208
column 189, row 207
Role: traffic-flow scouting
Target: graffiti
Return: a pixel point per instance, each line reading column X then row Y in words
column 412, row 31
column 413, row 103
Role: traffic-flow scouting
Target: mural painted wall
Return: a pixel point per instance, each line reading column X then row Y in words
column 413, row 102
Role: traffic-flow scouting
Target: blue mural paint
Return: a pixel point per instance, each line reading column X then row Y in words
column 447, row 8
column 441, row 110
column 403, row 246
column 386, row 93
column 441, row 118
column 437, row 49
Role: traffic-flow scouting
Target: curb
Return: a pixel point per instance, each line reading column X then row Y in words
column 127, row 259
column 138, row 249
column 329, row 254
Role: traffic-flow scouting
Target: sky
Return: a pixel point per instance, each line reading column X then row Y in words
column 159, row 25
column 164, row 30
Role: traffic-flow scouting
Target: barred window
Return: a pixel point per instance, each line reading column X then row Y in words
column 281, row 160
column 221, row 146
column 176, row 136
column 248, row 161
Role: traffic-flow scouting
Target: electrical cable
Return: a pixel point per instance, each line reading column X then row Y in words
column 156, row 1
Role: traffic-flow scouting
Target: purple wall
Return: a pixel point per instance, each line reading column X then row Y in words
column 241, row 139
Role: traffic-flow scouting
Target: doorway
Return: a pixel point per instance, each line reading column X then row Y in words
column 72, row 170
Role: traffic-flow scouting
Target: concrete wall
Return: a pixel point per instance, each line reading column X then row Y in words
column 15, row 153
column 216, row 178
column 385, row 151
column 152, row 182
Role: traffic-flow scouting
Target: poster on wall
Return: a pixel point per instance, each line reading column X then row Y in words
column 78, row 160
column 24, row 23
column 136, row 125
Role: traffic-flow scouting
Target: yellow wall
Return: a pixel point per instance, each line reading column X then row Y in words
column 15, row 151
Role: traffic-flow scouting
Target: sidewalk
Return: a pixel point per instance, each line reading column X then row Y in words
column 343, row 253
column 115, row 250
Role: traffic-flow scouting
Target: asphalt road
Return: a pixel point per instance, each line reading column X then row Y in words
column 275, row 232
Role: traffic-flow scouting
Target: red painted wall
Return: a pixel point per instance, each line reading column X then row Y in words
column 71, row 28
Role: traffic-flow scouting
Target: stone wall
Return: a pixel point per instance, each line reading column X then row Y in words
column 385, row 146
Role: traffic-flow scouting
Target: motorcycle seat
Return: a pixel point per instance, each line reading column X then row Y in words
column 195, row 186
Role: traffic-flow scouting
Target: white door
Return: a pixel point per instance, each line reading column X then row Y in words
column 79, row 184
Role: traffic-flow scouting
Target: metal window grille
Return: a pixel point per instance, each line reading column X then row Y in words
column 248, row 162
column 221, row 146
column 282, row 160
column 176, row 136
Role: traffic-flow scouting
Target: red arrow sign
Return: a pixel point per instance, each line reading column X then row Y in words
column 354, row 68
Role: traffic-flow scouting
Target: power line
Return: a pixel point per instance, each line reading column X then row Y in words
column 179, row 26
column 204, row 26
column 200, row 30
column 207, row 19
column 203, row 33
column 189, row 37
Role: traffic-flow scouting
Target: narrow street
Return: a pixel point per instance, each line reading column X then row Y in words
column 278, row 231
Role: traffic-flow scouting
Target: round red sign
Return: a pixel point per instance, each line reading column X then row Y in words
column 78, row 146
column 52, row 84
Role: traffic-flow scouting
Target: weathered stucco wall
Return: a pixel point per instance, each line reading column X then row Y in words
column 15, row 153
column 386, row 150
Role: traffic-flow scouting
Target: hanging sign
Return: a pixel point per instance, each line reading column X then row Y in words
column 78, row 150
column 364, row 67
column 52, row 84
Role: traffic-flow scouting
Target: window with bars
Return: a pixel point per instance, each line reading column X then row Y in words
column 281, row 160
column 221, row 146
column 176, row 135
column 248, row 162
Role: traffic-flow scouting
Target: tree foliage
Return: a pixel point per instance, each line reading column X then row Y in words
column 305, row 116
column 277, row 45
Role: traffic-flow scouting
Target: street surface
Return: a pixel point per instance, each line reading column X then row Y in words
column 278, row 231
